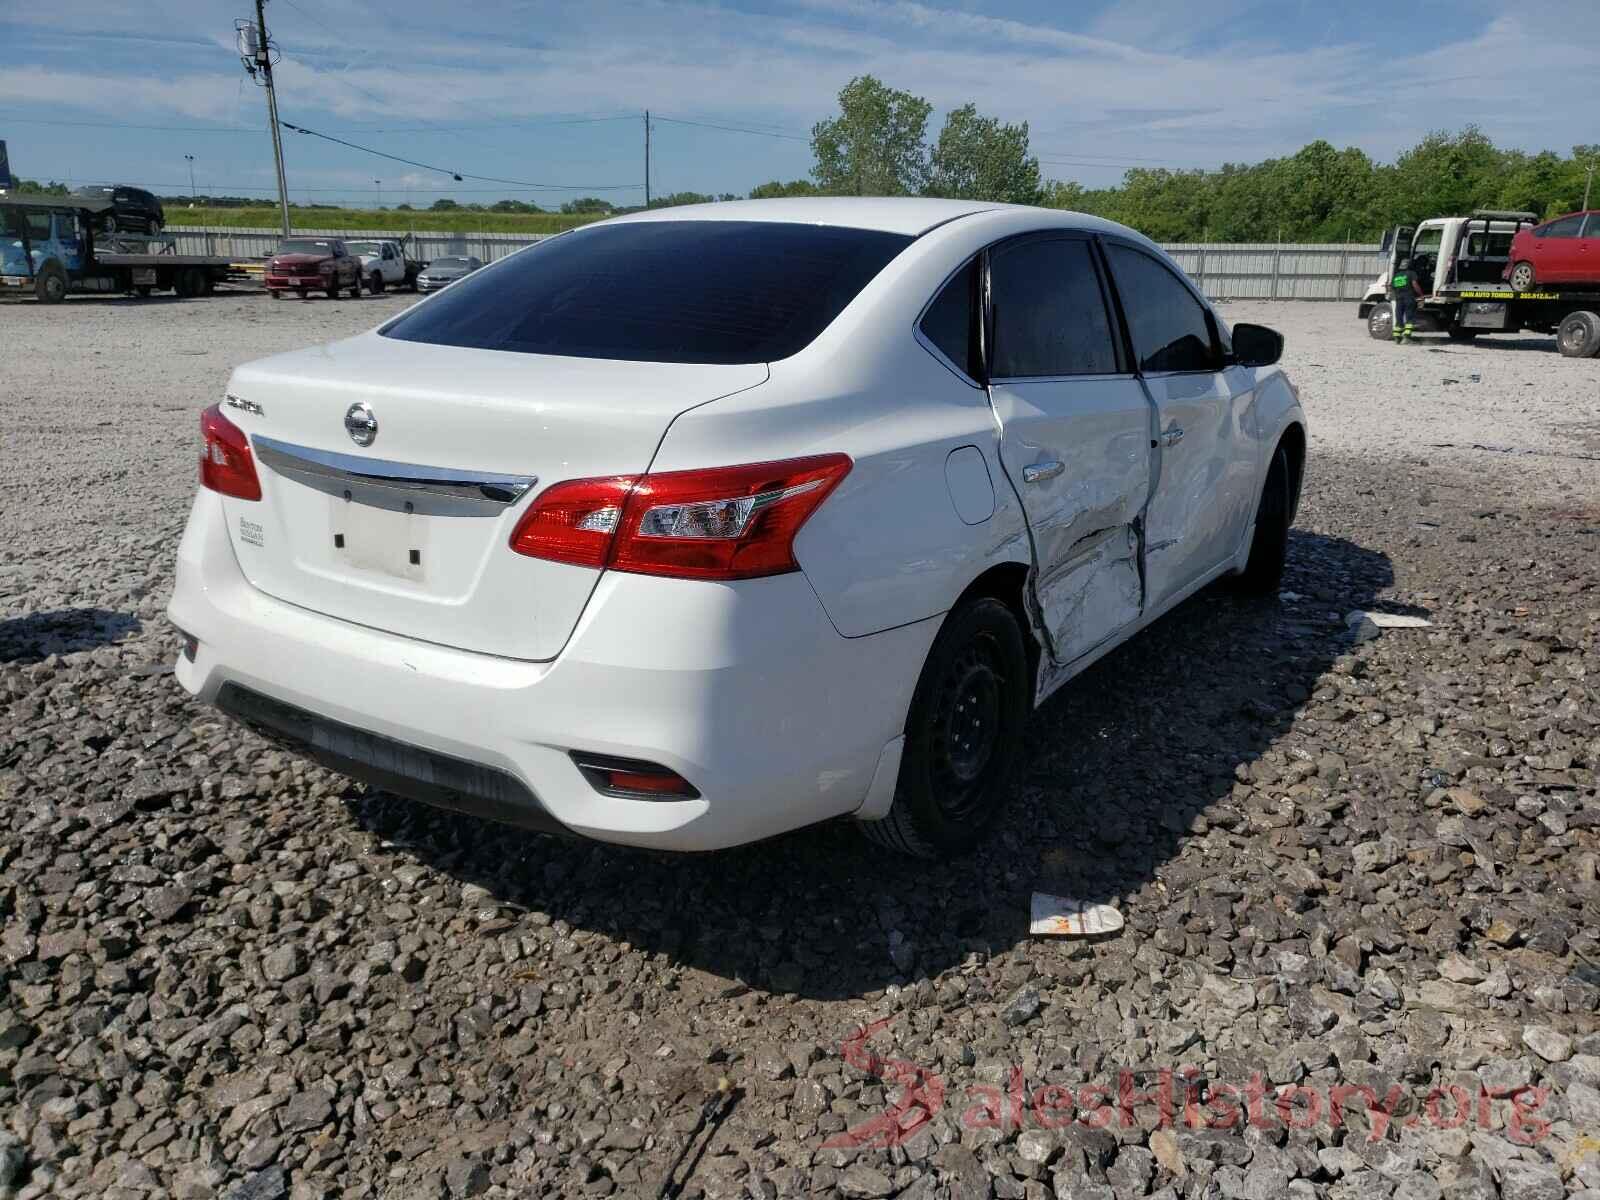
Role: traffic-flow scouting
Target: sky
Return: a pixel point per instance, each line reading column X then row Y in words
column 547, row 99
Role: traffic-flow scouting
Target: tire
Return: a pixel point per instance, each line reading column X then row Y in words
column 190, row 283
column 1269, row 544
column 1458, row 334
column 50, row 285
column 1380, row 322
column 1522, row 277
column 1578, row 335
column 375, row 284
column 963, row 735
column 143, row 291
column 302, row 292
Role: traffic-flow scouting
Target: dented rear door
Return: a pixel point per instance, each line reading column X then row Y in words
column 1075, row 440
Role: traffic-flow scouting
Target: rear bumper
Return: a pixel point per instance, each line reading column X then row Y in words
column 744, row 689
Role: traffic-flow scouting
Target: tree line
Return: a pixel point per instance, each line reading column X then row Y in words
column 877, row 144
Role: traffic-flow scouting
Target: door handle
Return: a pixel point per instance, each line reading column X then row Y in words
column 1039, row 472
column 1172, row 436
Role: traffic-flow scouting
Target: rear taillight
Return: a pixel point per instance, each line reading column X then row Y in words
column 721, row 523
column 226, row 464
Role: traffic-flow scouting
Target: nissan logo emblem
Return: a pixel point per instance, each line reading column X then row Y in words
column 360, row 424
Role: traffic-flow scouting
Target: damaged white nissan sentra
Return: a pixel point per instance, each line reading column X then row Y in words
column 699, row 525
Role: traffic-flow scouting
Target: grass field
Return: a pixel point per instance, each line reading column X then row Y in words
column 354, row 218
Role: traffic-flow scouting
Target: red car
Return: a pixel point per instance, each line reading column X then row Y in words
column 1565, row 250
column 307, row 265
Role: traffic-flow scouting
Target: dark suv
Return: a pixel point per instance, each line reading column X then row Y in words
column 133, row 210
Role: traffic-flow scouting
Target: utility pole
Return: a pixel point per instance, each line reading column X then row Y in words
column 255, row 49
column 194, row 196
column 647, row 158
column 1587, row 180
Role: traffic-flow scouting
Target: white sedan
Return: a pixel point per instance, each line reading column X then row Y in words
column 702, row 524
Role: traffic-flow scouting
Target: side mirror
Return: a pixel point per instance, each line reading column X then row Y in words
column 1256, row 345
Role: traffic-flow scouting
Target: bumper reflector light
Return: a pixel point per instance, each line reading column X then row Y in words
column 633, row 779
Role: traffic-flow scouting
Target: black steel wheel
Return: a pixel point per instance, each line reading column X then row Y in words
column 1578, row 335
column 50, row 285
column 963, row 734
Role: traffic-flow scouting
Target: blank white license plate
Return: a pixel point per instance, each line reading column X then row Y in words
column 375, row 539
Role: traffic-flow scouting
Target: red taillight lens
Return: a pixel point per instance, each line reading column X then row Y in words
column 226, row 464
column 573, row 522
column 721, row 523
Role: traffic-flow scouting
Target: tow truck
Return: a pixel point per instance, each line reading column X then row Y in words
column 48, row 246
column 1460, row 262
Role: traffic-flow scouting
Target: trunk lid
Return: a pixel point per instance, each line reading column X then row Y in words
column 408, row 530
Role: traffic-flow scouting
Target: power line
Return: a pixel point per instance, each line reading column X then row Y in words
column 460, row 175
column 790, row 137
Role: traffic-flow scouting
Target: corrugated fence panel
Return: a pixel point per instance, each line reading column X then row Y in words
column 1335, row 271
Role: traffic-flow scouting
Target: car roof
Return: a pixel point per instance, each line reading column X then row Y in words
column 911, row 215
column 890, row 214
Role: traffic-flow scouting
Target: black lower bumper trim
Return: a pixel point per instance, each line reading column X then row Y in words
column 427, row 776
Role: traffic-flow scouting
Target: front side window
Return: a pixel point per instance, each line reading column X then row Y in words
column 1049, row 314
column 1168, row 325
column 1567, row 227
column 660, row 291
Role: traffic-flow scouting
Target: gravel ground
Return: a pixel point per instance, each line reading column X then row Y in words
column 1345, row 860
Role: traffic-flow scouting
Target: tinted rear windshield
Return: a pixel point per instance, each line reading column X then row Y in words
column 304, row 246
column 660, row 291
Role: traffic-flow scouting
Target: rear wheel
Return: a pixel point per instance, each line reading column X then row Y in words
column 1269, row 545
column 1578, row 335
column 1522, row 277
column 1380, row 322
column 963, row 735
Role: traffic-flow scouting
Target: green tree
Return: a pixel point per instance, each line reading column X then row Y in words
column 443, row 205
column 776, row 189
column 588, row 204
column 875, row 146
column 978, row 158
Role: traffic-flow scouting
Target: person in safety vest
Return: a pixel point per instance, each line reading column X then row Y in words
column 1404, row 290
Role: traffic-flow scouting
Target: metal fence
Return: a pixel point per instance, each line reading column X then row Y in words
column 1299, row 271
column 258, row 243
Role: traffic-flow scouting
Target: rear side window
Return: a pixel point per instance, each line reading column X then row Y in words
column 1049, row 314
column 1592, row 229
column 660, row 291
column 1169, row 326
column 951, row 320
column 1567, row 227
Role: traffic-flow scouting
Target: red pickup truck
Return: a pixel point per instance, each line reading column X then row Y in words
column 306, row 265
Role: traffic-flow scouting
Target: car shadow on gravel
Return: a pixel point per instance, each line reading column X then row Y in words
column 1135, row 756
column 29, row 639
